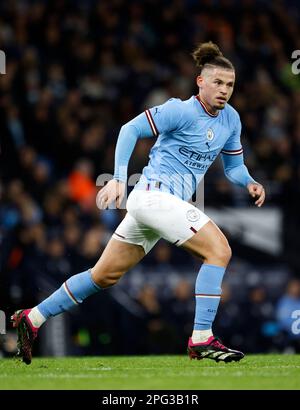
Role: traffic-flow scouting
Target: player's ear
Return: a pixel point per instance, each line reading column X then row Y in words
column 199, row 81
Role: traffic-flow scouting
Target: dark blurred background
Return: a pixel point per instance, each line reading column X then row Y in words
column 76, row 71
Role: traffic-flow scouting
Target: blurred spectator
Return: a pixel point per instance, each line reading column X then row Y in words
column 229, row 320
column 288, row 314
column 259, row 326
column 179, row 311
column 157, row 335
column 81, row 186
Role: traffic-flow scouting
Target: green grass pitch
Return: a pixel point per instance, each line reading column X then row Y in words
column 152, row 373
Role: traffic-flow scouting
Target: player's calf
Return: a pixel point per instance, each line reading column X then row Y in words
column 106, row 280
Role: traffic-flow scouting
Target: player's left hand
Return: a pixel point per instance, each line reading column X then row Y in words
column 257, row 191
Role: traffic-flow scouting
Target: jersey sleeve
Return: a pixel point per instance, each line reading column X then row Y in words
column 233, row 159
column 233, row 145
column 165, row 117
column 137, row 128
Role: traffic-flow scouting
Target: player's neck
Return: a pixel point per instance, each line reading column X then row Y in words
column 211, row 110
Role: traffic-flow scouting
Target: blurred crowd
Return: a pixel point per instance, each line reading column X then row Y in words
column 76, row 71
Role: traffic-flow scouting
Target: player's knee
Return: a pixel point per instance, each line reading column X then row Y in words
column 219, row 254
column 223, row 253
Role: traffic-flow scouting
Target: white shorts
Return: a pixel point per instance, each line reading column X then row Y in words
column 153, row 215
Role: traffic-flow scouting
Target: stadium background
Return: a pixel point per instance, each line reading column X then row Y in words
column 76, row 71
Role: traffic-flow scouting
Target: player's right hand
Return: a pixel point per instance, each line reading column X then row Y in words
column 113, row 191
column 257, row 191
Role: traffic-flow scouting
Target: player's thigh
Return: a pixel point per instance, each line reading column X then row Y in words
column 172, row 218
column 209, row 243
column 180, row 223
column 129, row 244
column 117, row 258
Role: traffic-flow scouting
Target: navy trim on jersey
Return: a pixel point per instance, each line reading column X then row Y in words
column 152, row 123
column 232, row 152
column 205, row 108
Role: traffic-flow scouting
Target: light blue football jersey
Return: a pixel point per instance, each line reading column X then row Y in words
column 189, row 140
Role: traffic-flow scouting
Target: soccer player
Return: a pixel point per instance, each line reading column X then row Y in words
column 190, row 135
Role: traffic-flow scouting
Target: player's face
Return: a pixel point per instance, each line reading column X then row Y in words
column 216, row 87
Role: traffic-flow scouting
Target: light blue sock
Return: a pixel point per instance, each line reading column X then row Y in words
column 71, row 293
column 208, row 294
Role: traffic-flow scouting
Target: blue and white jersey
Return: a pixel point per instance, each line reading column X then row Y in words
column 189, row 139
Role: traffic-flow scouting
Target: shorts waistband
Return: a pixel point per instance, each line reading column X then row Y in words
column 153, row 186
column 157, row 185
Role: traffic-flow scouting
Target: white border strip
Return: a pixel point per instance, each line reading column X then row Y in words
column 69, row 294
column 236, row 152
column 152, row 125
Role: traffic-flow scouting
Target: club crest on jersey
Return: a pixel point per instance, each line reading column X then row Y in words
column 210, row 134
column 193, row 215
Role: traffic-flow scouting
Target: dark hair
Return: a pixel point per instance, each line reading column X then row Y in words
column 209, row 54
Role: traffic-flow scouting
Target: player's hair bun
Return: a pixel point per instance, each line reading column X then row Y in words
column 205, row 53
column 209, row 53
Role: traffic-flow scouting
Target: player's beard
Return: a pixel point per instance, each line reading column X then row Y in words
column 220, row 106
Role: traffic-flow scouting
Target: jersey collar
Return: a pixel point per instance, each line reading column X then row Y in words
column 205, row 108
